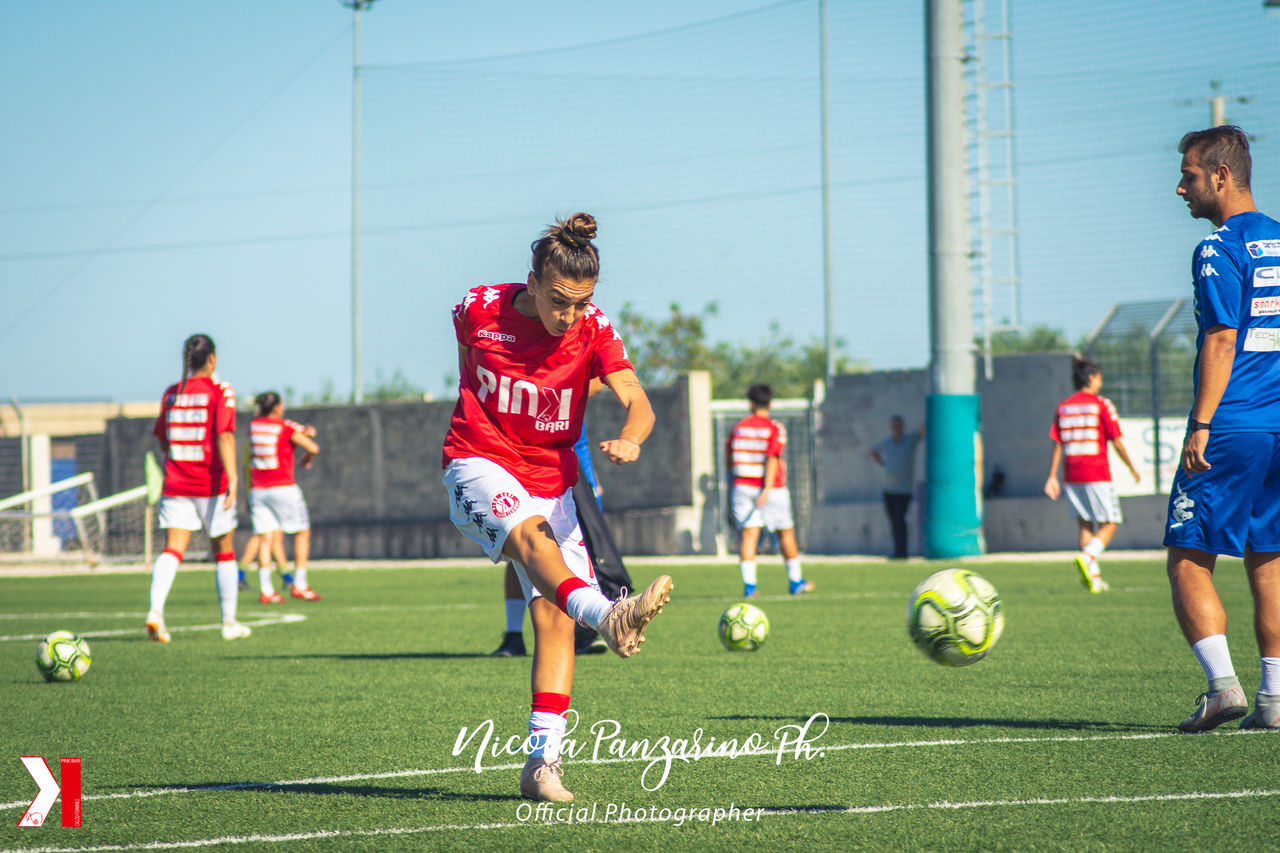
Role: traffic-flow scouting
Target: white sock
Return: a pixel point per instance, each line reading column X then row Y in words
column 264, row 581
column 1270, row 676
column 587, row 605
column 515, row 614
column 748, row 568
column 1214, row 657
column 163, row 571
column 793, row 570
column 227, row 578
column 546, row 734
column 1093, row 547
column 300, row 578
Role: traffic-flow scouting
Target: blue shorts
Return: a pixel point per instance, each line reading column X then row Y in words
column 1235, row 504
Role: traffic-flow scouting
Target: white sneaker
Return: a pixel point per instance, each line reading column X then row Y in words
column 234, row 631
column 156, row 629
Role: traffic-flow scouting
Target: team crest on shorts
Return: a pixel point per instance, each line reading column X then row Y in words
column 1183, row 507
column 505, row 503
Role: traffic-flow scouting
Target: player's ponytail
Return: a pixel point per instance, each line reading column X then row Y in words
column 1083, row 371
column 565, row 250
column 195, row 354
column 266, row 403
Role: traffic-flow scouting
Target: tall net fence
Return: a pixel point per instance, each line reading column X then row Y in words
column 699, row 149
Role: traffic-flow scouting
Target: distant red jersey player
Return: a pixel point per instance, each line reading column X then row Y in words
column 196, row 431
column 276, row 504
column 1083, row 426
column 529, row 355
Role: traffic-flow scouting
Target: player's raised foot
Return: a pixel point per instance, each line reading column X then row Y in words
column 800, row 587
column 156, row 629
column 622, row 627
column 270, row 598
column 512, row 646
column 306, row 593
column 241, row 581
column 1265, row 714
column 1222, row 703
column 234, row 631
column 1086, row 577
column 540, row 780
column 748, row 590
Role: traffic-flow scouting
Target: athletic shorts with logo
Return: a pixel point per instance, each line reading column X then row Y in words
column 486, row 503
column 775, row 514
column 1233, row 505
column 1096, row 502
column 278, row 508
column 208, row 514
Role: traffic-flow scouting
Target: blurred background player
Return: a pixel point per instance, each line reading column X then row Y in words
column 896, row 454
column 760, row 497
column 276, row 504
column 528, row 355
column 1083, row 425
column 196, row 431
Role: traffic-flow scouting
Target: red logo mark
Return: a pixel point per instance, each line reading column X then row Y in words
column 49, row 790
column 505, row 503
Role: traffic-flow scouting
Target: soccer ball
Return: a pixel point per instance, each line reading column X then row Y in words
column 63, row 656
column 743, row 627
column 955, row 617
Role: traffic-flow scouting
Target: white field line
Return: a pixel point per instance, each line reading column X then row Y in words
column 664, row 815
column 470, row 768
column 282, row 618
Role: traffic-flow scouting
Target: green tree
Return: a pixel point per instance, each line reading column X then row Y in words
column 1040, row 338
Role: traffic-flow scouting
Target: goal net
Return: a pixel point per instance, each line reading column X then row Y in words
column 67, row 521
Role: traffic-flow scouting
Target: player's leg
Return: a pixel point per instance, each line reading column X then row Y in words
column 264, row 522
column 266, row 588
column 896, row 508
column 552, row 683
column 776, row 514
column 1089, row 503
column 220, row 523
column 1264, row 583
column 1203, row 621
column 742, row 504
column 173, row 513
column 514, row 605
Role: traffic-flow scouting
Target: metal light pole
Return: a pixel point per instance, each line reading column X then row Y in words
column 356, row 7
column 829, row 341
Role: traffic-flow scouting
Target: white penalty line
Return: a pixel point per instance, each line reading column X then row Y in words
column 283, row 618
column 286, row 838
column 470, row 768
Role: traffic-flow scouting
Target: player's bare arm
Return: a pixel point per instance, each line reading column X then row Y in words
column 1052, row 487
column 227, row 453
column 1217, row 355
column 640, row 418
column 770, row 472
column 309, row 447
column 1124, row 457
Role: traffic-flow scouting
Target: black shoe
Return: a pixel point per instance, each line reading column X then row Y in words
column 589, row 643
column 512, row 646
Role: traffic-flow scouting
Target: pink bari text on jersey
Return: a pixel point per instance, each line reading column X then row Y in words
column 551, row 408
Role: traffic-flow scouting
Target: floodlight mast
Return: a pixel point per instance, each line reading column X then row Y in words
column 356, row 7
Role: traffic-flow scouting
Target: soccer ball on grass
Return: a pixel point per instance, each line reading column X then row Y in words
column 63, row 656
column 743, row 627
column 955, row 617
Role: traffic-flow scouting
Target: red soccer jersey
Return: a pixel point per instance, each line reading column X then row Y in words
column 750, row 444
column 1083, row 425
column 271, row 452
column 523, row 391
column 192, row 416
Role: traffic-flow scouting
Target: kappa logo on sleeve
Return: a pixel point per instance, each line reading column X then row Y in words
column 38, row 811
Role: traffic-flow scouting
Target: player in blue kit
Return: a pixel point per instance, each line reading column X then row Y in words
column 1226, row 493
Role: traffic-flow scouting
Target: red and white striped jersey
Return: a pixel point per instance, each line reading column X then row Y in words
column 271, row 452
column 1083, row 424
column 192, row 416
column 751, row 442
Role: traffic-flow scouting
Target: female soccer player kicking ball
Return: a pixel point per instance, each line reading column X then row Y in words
column 196, row 431
column 529, row 356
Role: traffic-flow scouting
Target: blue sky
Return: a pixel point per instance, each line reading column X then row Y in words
column 186, row 167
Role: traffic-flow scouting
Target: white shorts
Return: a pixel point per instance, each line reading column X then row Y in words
column 278, row 508
column 486, row 503
column 775, row 514
column 1096, row 502
column 196, row 514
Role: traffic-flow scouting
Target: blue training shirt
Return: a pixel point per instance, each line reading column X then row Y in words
column 1236, row 271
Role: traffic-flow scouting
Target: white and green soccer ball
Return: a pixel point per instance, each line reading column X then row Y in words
column 63, row 656
column 955, row 617
column 743, row 627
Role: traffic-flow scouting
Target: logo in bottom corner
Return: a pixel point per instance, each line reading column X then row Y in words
column 504, row 503
column 50, row 790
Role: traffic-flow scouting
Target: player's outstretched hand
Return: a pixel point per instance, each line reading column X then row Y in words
column 620, row 450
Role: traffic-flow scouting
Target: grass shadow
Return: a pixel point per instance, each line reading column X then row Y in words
column 330, row 789
column 966, row 722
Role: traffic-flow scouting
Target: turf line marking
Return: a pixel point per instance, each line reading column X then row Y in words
column 470, row 768
column 453, row 827
column 283, row 618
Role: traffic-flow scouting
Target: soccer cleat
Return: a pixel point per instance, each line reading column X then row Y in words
column 540, row 780
column 1086, row 578
column 800, row 587
column 156, row 629
column 1099, row 585
column 1222, row 703
column 305, row 592
column 622, row 627
column 270, row 598
column 1266, row 713
column 240, row 579
column 748, row 590
column 234, row 631
column 512, row 646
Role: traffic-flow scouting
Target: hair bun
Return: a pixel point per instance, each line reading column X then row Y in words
column 579, row 231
